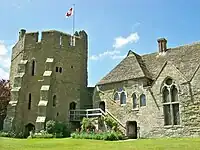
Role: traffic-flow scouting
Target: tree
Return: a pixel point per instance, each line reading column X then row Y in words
column 4, row 99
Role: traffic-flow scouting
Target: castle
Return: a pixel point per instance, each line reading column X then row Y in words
column 152, row 95
column 48, row 77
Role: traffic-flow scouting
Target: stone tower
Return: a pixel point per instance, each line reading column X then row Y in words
column 48, row 77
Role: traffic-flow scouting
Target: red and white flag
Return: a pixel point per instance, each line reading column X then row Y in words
column 69, row 13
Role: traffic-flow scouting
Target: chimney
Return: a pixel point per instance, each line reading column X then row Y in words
column 22, row 33
column 162, row 45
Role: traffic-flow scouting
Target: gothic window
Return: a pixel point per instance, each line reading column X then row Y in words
column 33, row 68
column 54, row 100
column 29, row 101
column 123, row 98
column 142, row 100
column 134, row 101
column 116, row 96
column 170, row 103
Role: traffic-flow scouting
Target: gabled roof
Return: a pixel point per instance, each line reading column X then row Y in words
column 130, row 67
column 185, row 58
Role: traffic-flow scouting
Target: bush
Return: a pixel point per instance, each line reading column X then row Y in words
column 87, row 124
column 58, row 129
column 12, row 134
column 109, row 136
column 112, row 124
column 42, row 134
column 50, row 126
column 4, row 134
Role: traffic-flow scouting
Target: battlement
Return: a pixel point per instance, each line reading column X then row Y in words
column 56, row 39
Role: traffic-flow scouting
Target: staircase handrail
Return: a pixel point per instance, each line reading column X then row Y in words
column 116, row 119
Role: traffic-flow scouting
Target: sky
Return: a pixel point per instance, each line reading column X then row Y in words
column 113, row 26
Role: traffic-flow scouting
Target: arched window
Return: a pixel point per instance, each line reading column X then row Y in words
column 142, row 100
column 174, row 93
column 33, row 68
column 116, row 96
column 72, row 106
column 123, row 98
column 165, row 95
column 170, row 103
column 134, row 101
column 29, row 101
column 54, row 100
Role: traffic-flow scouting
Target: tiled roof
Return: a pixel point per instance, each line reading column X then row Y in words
column 185, row 58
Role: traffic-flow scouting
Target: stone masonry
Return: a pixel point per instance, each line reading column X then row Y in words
column 46, row 76
column 135, row 76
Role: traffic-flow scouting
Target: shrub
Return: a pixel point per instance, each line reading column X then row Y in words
column 12, row 134
column 112, row 124
column 50, row 126
column 109, row 136
column 87, row 124
column 58, row 129
column 42, row 134
column 4, row 134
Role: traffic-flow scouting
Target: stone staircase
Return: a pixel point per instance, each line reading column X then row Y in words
column 78, row 114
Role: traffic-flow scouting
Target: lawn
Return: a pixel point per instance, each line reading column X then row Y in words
column 74, row 144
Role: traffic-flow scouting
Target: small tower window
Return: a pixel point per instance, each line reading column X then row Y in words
column 54, row 100
column 56, row 69
column 29, row 101
column 33, row 68
column 60, row 70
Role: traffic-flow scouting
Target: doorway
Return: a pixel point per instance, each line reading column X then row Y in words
column 131, row 129
column 29, row 127
column 102, row 105
column 72, row 106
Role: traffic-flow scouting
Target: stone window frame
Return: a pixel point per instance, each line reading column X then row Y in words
column 54, row 98
column 170, row 102
column 29, row 101
column 145, row 100
column 119, row 95
column 33, row 67
column 123, row 91
column 136, row 99
column 116, row 93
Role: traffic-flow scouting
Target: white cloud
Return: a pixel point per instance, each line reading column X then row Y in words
column 122, row 41
column 5, row 60
column 118, row 56
column 4, row 74
column 104, row 54
column 3, row 49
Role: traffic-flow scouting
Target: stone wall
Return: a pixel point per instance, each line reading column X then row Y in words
column 150, row 118
column 68, row 78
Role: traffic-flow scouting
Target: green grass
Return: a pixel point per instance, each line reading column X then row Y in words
column 75, row 144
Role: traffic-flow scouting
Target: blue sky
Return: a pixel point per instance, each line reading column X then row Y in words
column 113, row 26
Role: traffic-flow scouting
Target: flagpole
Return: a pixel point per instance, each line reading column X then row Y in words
column 73, row 18
column 73, row 25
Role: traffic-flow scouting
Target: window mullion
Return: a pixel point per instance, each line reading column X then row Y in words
column 171, row 108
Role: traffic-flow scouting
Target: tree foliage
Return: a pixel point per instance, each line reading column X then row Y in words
column 4, row 98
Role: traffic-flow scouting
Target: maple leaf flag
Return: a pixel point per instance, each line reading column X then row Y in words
column 70, row 12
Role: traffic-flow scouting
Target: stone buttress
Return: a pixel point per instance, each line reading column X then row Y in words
column 13, row 119
column 45, row 95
